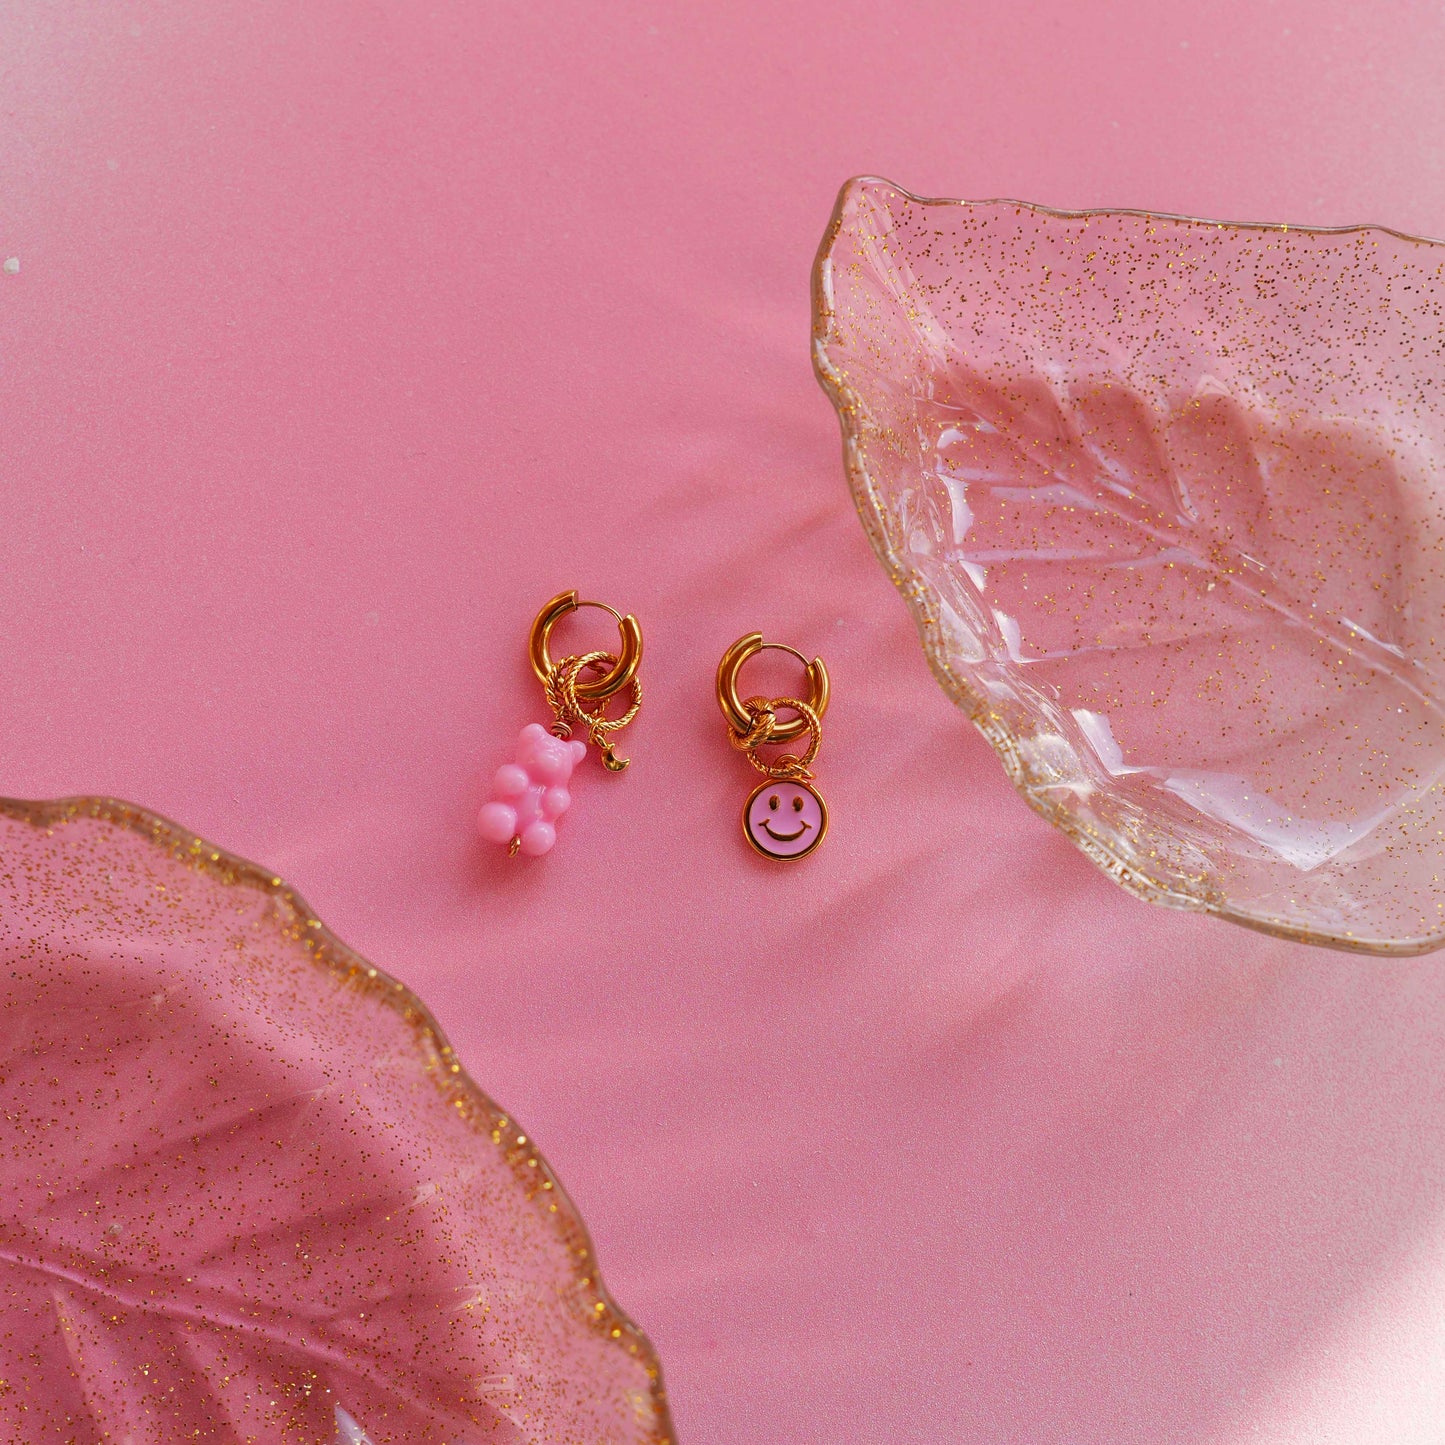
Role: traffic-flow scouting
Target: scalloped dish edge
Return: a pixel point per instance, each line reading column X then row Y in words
column 455, row 1087
column 871, row 513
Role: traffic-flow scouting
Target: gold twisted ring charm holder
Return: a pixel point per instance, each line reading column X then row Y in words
column 564, row 690
column 785, row 817
column 763, row 711
column 588, row 678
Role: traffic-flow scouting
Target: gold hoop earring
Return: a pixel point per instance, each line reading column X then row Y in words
column 785, row 817
column 530, row 793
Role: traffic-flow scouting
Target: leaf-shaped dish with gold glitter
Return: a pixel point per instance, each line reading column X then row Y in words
column 250, row 1194
column 1167, row 500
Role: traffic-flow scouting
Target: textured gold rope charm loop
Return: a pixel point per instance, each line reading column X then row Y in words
column 564, row 698
column 764, row 711
column 764, row 722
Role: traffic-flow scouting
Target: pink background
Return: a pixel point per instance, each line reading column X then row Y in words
column 346, row 334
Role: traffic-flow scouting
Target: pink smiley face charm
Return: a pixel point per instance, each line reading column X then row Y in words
column 785, row 820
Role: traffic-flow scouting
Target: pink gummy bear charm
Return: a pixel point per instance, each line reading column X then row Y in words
column 529, row 795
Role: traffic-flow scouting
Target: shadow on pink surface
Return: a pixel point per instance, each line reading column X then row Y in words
column 955, row 1141
column 343, row 335
column 1135, row 1203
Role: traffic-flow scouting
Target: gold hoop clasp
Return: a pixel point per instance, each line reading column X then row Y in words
column 738, row 716
column 594, row 689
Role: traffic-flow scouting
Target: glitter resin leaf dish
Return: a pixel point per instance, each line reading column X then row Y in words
column 250, row 1194
column 1165, row 499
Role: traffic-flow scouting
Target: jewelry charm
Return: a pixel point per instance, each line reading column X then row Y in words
column 530, row 794
column 785, row 817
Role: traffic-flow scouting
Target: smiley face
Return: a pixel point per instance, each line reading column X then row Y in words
column 785, row 820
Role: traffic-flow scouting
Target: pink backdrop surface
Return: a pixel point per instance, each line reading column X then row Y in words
column 344, row 335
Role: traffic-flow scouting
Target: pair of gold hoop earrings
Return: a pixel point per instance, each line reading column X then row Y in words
column 784, row 818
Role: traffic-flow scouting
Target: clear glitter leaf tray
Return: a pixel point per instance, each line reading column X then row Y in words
column 1167, row 501
column 250, row 1193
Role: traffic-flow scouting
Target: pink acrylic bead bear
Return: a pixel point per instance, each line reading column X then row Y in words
column 528, row 796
